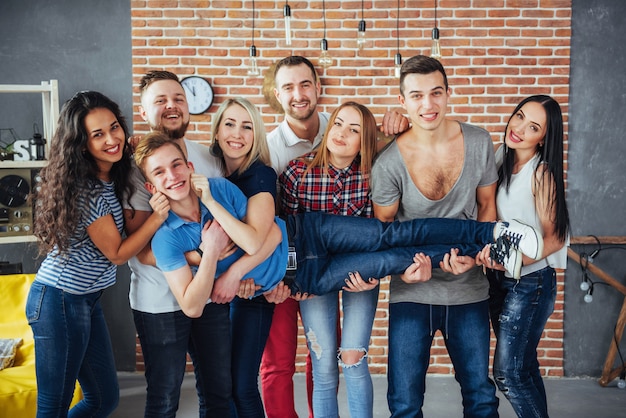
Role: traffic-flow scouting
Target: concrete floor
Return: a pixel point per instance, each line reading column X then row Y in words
column 568, row 398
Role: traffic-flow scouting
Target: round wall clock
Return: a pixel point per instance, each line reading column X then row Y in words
column 199, row 94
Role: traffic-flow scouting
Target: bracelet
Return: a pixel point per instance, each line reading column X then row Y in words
column 199, row 251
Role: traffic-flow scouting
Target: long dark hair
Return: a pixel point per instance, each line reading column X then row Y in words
column 550, row 158
column 72, row 170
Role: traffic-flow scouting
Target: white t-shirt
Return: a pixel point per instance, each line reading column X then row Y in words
column 285, row 145
column 149, row 291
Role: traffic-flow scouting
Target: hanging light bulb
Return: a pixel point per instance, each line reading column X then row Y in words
column 325, row 60
column 435, row 50
column 397, row 59
column 253, row 68
column 360, row 40
column 287, row 17
column 588, row 298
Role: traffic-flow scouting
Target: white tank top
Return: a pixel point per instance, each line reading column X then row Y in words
column 519, row 203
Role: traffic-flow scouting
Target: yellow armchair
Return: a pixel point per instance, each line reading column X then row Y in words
column 18, row 384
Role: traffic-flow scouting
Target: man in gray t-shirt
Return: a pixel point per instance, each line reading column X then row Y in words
column 438, row 168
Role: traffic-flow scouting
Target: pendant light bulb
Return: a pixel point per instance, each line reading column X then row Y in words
column 360, row 40
column 435, row 50
column 253, row 68
column 325, row 60
column 287, row 17
column 398, row 64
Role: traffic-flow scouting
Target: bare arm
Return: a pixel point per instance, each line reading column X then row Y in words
column 105, row 235
column 249, row 235
column 486, row 201
column 193, row 292
column 133, row 222
column 545, row 211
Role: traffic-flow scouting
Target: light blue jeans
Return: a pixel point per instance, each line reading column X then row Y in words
column 519, row 312
column 319, row 317
column 71, row 342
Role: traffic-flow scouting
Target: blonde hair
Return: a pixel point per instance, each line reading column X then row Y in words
column 260, row 150
column 368, row 141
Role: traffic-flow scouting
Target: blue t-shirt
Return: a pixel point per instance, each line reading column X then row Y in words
column 176, row 237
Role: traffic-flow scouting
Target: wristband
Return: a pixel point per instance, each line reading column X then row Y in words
column 199, row 251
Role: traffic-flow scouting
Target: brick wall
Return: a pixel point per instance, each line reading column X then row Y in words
column 495, row 53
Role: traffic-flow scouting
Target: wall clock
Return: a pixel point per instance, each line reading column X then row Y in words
column 199, row 94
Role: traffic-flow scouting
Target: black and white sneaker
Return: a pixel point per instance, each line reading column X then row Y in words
column 521, row 237
column 503, row 252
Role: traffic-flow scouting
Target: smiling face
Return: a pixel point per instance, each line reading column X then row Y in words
column 164, row 107
column 105, row 138
column 425, row 99
column 235, row 135
column 344, row 137
column 297, row 91
column 167, row 172
column 527, row 127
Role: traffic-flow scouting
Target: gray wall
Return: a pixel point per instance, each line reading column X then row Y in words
column 596, row 176
column 85, row 45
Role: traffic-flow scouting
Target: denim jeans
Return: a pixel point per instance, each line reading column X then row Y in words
column 465, row 329
column 519, row 312
column 71, row 342
column 165, row 340
column 319, row 317
column 328, row 246
column 251, row 320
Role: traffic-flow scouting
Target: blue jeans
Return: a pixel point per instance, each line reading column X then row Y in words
column 329, row 246
column 319, row 317
column 71, row 342
column 519, row 312
column 165, row 340
column 465, row 329
column 251, row 320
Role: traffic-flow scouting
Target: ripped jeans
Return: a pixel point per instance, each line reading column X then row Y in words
column 319, row 316
column 519, row 312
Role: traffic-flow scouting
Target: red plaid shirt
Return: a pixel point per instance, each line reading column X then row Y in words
column 340, row 192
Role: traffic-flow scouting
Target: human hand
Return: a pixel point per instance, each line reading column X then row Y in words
column 226, row 287
column 214, row 238
column 247, row 288
column 355, row 283
column 483, row 258
column 420, row 271
column 278, row 294
column 455, row 263
column 228, row 251
column 200, row 185
column 301, row 296
column 394, row 123
column 160, row 205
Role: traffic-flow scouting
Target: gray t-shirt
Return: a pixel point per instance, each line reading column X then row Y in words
column 391, row 182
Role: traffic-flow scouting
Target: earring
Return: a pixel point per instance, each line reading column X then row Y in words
column 215, row 149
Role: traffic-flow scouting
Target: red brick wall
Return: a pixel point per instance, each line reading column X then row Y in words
column 495, row 53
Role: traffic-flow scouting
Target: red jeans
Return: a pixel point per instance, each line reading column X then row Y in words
column 279, row 363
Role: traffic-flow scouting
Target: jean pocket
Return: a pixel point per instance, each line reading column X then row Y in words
column 34, row 302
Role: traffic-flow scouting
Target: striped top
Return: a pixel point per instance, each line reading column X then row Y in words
column 84, row 269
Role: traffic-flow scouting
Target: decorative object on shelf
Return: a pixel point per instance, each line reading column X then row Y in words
column 397, row 59
column 199, row 94
column 435, row 50
column 8, row 138
column 360, row 40
column 325, row 59
column 37, row 145
column 253, row 68
column 287, row 18
column 16, row 212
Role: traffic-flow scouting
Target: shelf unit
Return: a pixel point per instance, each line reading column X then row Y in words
column 49, row 91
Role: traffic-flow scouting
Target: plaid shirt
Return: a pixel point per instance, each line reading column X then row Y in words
column 340, row 192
